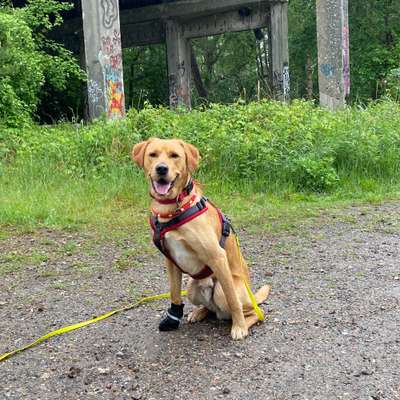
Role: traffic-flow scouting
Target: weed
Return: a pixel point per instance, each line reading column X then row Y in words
column 69, row 246
column 59, row 285
column 48, row 273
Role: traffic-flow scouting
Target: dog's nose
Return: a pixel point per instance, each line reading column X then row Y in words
column 162, row 169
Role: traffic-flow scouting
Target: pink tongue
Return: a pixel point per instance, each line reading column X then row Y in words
column 162, row 188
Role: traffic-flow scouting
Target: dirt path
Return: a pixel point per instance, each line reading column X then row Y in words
column 332, row 332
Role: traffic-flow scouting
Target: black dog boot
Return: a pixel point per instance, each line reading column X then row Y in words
column 171, row 321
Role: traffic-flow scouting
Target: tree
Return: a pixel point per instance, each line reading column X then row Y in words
column 36, row 69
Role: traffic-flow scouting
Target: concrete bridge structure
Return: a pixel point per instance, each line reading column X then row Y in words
column 99, row 29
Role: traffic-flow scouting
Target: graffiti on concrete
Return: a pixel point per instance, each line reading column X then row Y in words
column 346, row 60
column 110, row 57
column 178, row 95
column 327, row 70
column 110, row 12
column 281, row 82
column 95, row 95
column 286, row 82
column 181, row 68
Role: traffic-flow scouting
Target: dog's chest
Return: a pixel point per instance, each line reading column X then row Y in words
column 182, row 254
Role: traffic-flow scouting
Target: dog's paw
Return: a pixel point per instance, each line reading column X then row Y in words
column 198, row 314
column 168, row 324
column 239, row 332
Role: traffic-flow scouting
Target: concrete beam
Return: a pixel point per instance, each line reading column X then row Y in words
column 279, row 52
column 229, row 21
column 143, row 34
column 103, row 58
column 188, row 9
column 145, row 25
column 179, row 65
column 153, row 32
column 333, row 53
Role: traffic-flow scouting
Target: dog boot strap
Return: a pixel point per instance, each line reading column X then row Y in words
column 171, row 321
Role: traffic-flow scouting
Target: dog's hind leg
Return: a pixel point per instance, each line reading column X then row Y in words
column 262, row 294
column 251, row 320
column 198, row 314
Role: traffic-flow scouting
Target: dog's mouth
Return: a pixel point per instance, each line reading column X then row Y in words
column 162, row 186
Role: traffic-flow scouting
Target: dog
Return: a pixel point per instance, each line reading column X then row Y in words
column 196, row 239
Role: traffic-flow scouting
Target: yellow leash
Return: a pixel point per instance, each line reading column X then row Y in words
column 73, row 327
column 147, row 299
column 257, row 309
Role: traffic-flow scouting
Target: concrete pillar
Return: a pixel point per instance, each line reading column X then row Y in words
column 279, row 50
column 333, row 53
column 103, row 56
column 179, row 65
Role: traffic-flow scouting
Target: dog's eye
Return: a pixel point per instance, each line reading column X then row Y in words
column 152, row 155
column 174, row 155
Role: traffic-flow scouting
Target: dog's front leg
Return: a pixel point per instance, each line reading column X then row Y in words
column 175, row 312
column 220, row 267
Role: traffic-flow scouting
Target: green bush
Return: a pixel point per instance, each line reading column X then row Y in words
column 31, row 65
column 21, row 71
column 269, row 145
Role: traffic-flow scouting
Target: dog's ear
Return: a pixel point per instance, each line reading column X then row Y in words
column 138, row 152
column 192, row 156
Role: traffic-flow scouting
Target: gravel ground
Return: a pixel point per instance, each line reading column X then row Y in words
column 332, row 327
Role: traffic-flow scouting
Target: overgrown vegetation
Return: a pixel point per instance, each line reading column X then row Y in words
column 231, row 65
column 75, row 173
column 34, row 70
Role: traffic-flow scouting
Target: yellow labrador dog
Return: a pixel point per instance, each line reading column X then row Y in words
column 196, row 239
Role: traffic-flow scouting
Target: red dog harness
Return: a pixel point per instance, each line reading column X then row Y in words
column 184, row 215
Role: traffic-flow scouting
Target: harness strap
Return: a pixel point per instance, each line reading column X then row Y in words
column 161, row 228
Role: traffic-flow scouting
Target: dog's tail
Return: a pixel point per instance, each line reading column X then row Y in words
column 262, row 294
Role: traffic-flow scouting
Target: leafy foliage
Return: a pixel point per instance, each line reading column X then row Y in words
column 32, row 65
column 374, row 45
column 21, row 70
column 268, row 145
column 145, row 75
column 229, row 63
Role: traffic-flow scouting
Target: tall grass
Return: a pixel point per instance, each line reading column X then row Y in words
column 73, row 174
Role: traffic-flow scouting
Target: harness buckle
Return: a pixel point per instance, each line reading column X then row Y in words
column 202, row 203
column 226, row 226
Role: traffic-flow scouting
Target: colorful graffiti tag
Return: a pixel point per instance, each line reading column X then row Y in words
column 111, row 62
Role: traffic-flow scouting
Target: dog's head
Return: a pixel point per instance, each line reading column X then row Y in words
column 167, row 163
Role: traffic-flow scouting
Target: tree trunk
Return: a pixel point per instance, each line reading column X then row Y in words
column 309, row 79
column 201, row 90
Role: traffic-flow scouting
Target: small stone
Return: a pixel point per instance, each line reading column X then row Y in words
column 103, row 371
column 46, row 375
column 226, row 390
column 109, row 386
column 87, row 380
column 366, row 373
column 73, row 372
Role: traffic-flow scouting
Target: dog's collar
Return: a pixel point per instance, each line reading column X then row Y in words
column 185, row 192
column 179, row 210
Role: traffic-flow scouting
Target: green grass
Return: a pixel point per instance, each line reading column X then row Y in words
column 120, row 206
column 269, row 166
column 13, row 261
